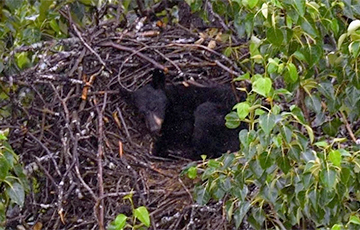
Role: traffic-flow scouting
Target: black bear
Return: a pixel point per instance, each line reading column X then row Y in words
column 190, row 119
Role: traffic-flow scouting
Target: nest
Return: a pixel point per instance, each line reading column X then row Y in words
column 86, row 147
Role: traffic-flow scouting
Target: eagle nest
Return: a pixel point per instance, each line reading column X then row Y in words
column 85, row 147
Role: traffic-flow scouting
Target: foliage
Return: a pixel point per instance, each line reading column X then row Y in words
column 29, row 23
column 285, row 174
column 139, row 214
column 13, row 181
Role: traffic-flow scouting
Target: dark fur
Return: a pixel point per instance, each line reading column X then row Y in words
column 193, row 117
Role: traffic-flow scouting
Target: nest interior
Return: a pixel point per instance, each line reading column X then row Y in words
column 87, row 148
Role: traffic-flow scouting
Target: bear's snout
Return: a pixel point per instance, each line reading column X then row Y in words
column 153, row 123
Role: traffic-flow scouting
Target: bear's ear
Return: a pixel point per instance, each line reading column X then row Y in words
column 158, row 79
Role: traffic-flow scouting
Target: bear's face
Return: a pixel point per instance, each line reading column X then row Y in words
column 151, row 102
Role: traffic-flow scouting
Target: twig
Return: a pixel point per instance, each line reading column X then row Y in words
column 100, row 202
column 48, row 153
column 216, row 16
column 186, row 189
column 207, row 49
column 124, row 48
column 83, row 41
column 347, row 125
column 124, row 123
column 78, row 61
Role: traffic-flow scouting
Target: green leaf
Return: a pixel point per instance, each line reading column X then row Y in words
column 242, row 109
column 276, row 109
column 256, row 218
column 281, row 68
column 267, row 122
column 214, row 163
column 252, row 3
column 54, row 25
column 2, row 136
column 14, row 4
column 245, row 76
column 294, row 76
column 119, row 222
column 229, row 208
column 44, row 9
column 286, row 133
column 9, row 154
column 284, row 164
column 310, row 133
column 289, row 22
column 354, row 48
column 298, row 114
column 334, row 26
column 259, row 112
column 281, row 92
column 228, row 161
column 272, row 68
column 331, row 128
column 22, row 60
column 344, row 153
column 202, row 195
column 299, row 55
column 313, row 102
column 341, row 40
column 354, row 219
column 335, row 157
column 228, row 51
column 328, row 178
column 313, row 197
column 337, row 227
column 309, row 27
column 192, row 172
column 241, row 212
column 353, row 26
column 232, row 120
column 4, row 167
column 345, row 175
column 243, row 137
column 142, row 214
column 275, row 36
column 321, row 144
column 265, row 160
column 264, row 10
column 16, row 193
column 299, row 6
column 312, row 54
column 262, row 86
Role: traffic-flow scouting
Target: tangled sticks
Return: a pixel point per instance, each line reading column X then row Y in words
column 81, row 142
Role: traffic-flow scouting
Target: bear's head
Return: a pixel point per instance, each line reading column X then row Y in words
column 151, row 101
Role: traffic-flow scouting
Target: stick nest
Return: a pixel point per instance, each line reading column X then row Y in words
column 86, row 147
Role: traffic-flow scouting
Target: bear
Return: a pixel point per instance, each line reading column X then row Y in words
column 189, row 119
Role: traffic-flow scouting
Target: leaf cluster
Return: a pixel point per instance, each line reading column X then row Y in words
column 13, row 181
column 138, row 214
